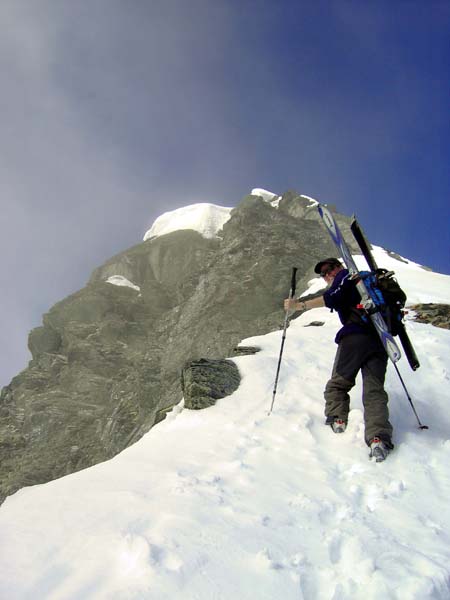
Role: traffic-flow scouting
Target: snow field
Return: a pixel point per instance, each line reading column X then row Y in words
column 230, row 502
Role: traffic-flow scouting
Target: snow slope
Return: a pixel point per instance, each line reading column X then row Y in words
column 230, row 503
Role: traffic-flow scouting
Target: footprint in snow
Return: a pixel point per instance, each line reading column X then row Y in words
column 137, row 555
column 334, row 547
column 265, row 558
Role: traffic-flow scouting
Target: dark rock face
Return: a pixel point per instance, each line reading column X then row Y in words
column 435, row 314
column 107, row 360
column 205, row 381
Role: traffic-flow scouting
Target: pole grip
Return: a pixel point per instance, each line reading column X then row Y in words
column 293, row 281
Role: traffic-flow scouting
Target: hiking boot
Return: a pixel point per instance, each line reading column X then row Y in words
column 378, row 450
column 338, row 425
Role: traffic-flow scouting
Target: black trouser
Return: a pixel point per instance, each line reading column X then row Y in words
column 360, row 352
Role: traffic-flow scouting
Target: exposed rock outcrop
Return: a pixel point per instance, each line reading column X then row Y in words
column 205, row 381
column 435, row 314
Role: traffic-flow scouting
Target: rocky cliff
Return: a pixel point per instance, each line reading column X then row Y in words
column 106, row 361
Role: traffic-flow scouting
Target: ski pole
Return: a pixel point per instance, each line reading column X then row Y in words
column 286, row 317
column 409, row 398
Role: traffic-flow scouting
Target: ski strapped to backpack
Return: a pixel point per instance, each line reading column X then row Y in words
column 368, row 304
column 391, row 297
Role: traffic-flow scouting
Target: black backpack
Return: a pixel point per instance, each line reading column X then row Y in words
column 387, row 295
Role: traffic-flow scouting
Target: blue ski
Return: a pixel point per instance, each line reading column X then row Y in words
column 368, row 304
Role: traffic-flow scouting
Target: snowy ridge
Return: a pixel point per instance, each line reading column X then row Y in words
column 267, row 196
column 420, row 285
column 207, row 219
column 313, row 202
column 230, row 503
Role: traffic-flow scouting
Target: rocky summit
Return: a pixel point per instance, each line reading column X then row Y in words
column 107, row 361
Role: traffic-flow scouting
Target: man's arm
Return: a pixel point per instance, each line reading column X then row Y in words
column 295, row 305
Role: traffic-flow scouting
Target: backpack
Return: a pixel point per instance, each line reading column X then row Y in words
column 387, row 295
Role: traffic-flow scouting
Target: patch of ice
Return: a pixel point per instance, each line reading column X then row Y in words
column 122, row 281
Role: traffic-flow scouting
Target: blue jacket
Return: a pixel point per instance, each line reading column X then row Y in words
column 343, row 297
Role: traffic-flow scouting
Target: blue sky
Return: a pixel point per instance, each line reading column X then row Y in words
column 114, row 112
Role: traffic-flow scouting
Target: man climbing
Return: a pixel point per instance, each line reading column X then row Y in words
column 359, row 349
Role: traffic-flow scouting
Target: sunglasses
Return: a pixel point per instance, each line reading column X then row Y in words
column 327, row 271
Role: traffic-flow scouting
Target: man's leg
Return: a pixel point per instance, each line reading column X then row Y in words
column 375, row 400
column 345, row 368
